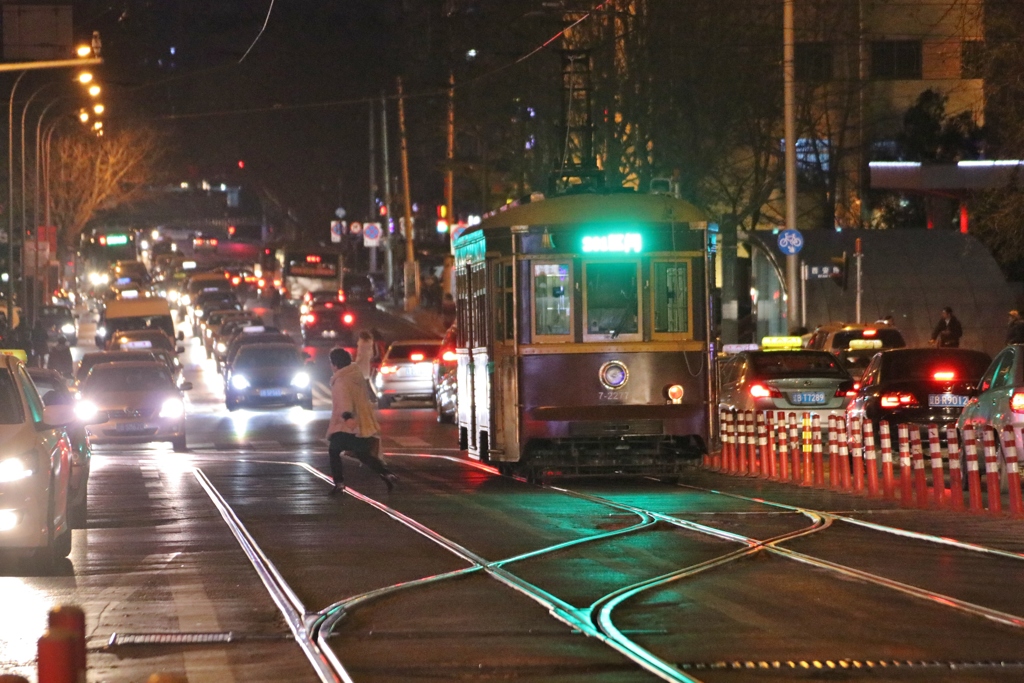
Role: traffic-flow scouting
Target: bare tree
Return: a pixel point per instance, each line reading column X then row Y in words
column 90, row 173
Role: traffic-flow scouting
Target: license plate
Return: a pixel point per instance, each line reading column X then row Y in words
column 131, row 427
column 271, row 392
column 947, row 401
column 329, row 333
column 808, row 398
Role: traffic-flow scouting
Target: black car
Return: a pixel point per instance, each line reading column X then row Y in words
column 918, row 386
column 446, row 381
column 257, row 334
column 58, row 320
column 358, row 291
column 269, row 375
column 330, row 322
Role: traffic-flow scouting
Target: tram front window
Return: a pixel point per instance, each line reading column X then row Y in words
column 552, row 289
column 613, row 299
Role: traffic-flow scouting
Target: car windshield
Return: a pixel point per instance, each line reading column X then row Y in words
column 267, row 356
column 890, row 339
column 414, row 352
column 113, row 378
column 90, row 360
column 782, row 364
column 934, row 364
column 10, row 401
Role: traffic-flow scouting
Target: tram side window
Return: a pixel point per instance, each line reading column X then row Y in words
column 613, row 299
column 671, row 297
column 552, row 299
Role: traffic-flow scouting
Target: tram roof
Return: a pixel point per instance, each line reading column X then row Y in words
column 595, row 209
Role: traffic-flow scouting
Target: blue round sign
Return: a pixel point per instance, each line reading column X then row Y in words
column 371, row 231
column 790, row 242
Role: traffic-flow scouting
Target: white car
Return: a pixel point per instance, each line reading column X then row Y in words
column 35, row 469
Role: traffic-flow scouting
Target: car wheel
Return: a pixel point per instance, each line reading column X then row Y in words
column 308, row 404
column 232, row 406
column 384, row 402
column 78, row 512
column 179, row 444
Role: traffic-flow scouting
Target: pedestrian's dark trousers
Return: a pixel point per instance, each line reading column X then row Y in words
column 361, row 448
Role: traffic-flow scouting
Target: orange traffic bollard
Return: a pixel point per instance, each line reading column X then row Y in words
column 770, row 425
column 857, row 455
column 920, row 478
column 992, row 488
column 906, row 477
column 741, row 443
column 794, row 448
column 751, row 443
column 973, row 475
column 762, row 446
column 956, row 481
column 1012, row 472
column 730, row 441
column 806, row 450
column 871, row 458
column 843, row 464
column 71, row 619
column 833, row 452
column 782, row 443
column 938, row 474
column 887, row 471
column 819, row 464
column 56, row 657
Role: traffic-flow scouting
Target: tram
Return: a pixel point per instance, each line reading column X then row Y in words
column 583, row 333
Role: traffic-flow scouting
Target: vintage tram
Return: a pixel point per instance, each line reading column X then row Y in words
column 583, row 335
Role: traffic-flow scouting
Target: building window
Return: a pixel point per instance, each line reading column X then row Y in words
column 896, row 60
column 972, row 59
column 813, row 62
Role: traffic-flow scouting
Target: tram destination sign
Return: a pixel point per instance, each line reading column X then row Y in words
column 616, row 243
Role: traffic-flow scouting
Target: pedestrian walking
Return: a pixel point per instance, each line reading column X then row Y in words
column 1015, row 328
column 40, row 344
column 60, row 358
column 365, row 351
column 353, row 427
column 948, row 330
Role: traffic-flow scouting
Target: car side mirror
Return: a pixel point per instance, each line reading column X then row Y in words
column 56, row 398
column 58, row 416
column 181, row 335
column 186, row 386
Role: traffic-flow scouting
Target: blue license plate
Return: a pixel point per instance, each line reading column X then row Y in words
column 131, row 427
column 808, row 398
column 947, row 401
column 269, row 393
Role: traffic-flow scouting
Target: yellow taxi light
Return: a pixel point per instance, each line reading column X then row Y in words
column 779, row 343
column 17, row 353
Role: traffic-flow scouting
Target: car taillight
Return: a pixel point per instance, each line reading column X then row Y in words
column 944, row 375
column 341, row 296
column 898, row 400
column 449, row 357
column 416, row 357
column 869, row 332
column 388, row 369
column 262, row 283
column 348, row 318
column 235, row 280
column 310, row 318
column 1017, row 401
column 847, row 389
column 762, row 391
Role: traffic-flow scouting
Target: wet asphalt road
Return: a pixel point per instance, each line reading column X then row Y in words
column 460, row 574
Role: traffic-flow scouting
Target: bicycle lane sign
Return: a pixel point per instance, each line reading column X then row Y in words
column 791, row 242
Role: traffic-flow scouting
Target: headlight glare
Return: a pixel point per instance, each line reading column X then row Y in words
column 172, row 408
column 300, row 380
column 222, row 347
column 67, row 328
column 13, row 469
column 86, row 410
column 101, row 331
column 239, row 382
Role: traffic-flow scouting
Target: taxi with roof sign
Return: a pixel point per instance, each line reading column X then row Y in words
column 781, row 375
column 854, row 344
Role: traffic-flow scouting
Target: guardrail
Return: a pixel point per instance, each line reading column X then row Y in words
column 845, row 456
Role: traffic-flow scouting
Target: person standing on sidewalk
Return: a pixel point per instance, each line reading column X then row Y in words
column 353, row 426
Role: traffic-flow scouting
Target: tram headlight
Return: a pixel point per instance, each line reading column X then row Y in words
column 674, row 393
column 614, row 374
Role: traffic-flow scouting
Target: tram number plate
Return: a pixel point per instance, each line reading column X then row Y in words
column 947, row 401
column 266, row 393
column 808, row 398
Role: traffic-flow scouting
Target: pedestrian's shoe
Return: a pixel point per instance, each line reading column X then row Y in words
column 389, row 480
column 336, row 489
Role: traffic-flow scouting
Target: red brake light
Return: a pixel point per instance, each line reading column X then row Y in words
column 1017, row 401
column 348, row 318
column 869, row 332
column 416, row 357
column 898, row 400
column 944, row 375
column 262, row 283
column 388, row 369
column 762, row 391
column 329, row 304
column 310, row 318
column 235, row 280
column 449, row 356
column 341, row 295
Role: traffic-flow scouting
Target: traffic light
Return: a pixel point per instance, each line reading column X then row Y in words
column 442, row 218
column 841, row 269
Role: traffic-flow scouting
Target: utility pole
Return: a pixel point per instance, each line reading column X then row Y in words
column 372, row 209
column 447, row 281
column 789, row 102
column 389, row 240
column 412, row 280
column 858, row 254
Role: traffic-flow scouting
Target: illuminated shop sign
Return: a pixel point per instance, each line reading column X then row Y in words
column 618, row 242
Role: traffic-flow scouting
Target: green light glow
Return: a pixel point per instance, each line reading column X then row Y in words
column 618, row 242
column 117, row 240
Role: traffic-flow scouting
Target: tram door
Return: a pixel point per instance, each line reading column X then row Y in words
column 480, row 360
column 505, row 387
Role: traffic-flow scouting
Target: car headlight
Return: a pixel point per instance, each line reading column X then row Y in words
column 239, row 382
column 222, row 347
column 172, row 408
column 67, row 328
column 172, row 295
column 379, row 381
column 185, row 299
column 300, row 380
column 101, row 331
column 86, row 410
column 13, row 469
